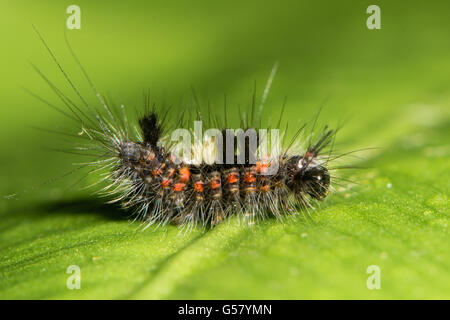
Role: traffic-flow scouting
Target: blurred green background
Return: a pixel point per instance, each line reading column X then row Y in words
column 392, row 85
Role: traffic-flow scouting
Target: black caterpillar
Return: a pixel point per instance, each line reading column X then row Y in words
column 164, row 190
column 145, row 176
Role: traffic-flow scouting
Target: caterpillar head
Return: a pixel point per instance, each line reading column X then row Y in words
column 307, row 175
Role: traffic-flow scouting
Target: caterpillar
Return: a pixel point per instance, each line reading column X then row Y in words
column 230, row 175
column 148, row 177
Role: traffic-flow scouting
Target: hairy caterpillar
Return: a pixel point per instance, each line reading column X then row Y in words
column 149, row 178
column 144, row 175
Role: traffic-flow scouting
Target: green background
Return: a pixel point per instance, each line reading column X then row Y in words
column 391, row 86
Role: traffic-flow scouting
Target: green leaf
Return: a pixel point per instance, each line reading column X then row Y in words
column 389, row 85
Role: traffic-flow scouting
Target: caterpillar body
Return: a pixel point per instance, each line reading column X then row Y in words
column 164, row 190
column 144, row 175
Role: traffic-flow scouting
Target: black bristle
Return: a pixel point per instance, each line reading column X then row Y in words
column 151, row 129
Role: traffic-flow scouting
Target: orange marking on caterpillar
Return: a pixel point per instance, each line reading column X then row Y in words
column 165, row 183
column 249, row 177
column 198, row 186
column 215, row 184
column 260, row 166
column 185, row 174
column 232, row 178
column 177, row 187
column 171, row 172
